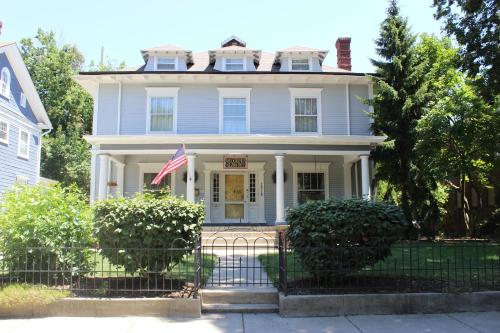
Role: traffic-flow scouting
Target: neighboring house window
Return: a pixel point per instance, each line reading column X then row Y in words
column 22, row 100
column 4, row 132
column 162, row 110
column 234, row 110
column 234, row 64
column 24, row 144
column 306, row 110
column 166, row 64
column 300, row 65
column 5, row 82
column 166, row 182
column 310, row 181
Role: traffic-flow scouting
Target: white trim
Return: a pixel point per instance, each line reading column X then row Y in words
column 154, row 167
column 224, row 63
column 348, row 107
column 233, row 152
column 19, row 154
column 234, row 93
column 319, row 167
column 119, row 109
column 298, row 57
column 6, row 140
column 306, row 93
column 93, row 173
column 96, row 110
column 172, row 92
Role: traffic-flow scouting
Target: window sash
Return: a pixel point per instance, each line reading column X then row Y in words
column 5, row 82
column 165, row 183
column 24, row 144
column 165, row 63
column 234, row 64
column 300, row 64
column 234, row 115
column 306, row 115
column 310, row 186
column 161, row 114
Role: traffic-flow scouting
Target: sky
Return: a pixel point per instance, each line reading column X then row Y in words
column 124, row 27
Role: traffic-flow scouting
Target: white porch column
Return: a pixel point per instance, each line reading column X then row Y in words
column 280, row 190
column 103, row 176
column 208, row 196
column 120, row 173
column 365, row 177
column 190, row 177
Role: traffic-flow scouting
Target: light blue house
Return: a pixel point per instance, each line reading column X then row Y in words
column 263, row 130
column 23, row 121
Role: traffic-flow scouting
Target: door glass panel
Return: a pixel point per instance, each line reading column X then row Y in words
column 235, row 188
column 235, row 211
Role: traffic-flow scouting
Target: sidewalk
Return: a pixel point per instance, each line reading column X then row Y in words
column 482, row 322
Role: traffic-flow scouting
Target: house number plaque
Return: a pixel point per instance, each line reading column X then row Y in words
column 235, row 162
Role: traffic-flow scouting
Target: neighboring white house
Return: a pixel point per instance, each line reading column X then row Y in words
column 22, row 121
column 263, row 131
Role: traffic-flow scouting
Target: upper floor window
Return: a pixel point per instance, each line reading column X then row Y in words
column 162, row 110
column 24, row 144
column 166, row 64
column 234, row 64
column 5, row 82
column 306, row 110
column 300, row 65
column 4, row 132
column 234, row 110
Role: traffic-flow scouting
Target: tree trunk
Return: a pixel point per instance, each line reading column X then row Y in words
column 465, row 207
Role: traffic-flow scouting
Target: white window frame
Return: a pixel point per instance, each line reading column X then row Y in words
column 235, row 70
column 290, row 64
column 5, row 73
column 27, row 155
column 161, row 92
column 6, row 140
column 176, row 63
column 154, row 168
column 306, row 93
column 22, row 100
column 234, row 93
column 318, row 167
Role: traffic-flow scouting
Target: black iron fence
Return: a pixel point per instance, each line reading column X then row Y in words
column 108, row 271
column 409, row 266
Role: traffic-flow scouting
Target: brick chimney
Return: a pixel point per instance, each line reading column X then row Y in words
column 343, row 46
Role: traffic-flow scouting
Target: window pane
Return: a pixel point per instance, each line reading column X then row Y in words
column 166, row 63
column 310, row 186
column 306, row 124
column 162, row 114
column 3, row 130
column 234, row 64
column 300, row 64
column 306, row 106
column 234, row 115
column 305, row 196
column 148, row 178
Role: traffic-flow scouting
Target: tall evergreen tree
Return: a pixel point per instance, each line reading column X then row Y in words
column 400, row 93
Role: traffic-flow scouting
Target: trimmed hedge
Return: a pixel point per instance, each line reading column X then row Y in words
column 138, row 233
column 339, row 237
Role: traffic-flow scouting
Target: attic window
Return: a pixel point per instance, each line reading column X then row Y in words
column 300, row 65
column 5, row 82
column 166, row 64
column 234, row 64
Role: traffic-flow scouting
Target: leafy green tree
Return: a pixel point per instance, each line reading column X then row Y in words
column 474, row 24
column 398, row 104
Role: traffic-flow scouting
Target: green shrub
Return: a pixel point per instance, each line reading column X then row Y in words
column 338, row 237
column 43, row 227
column 138, row 232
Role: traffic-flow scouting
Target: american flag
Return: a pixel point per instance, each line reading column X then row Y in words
column 175, row 162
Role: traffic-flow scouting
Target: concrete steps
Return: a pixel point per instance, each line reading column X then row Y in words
column 238, row 237
column 240, row 300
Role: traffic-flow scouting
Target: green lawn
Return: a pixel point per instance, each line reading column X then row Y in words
column 465, row 264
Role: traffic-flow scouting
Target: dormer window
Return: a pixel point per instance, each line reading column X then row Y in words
column 166, row 64
column 300, row 65
column 234, row 64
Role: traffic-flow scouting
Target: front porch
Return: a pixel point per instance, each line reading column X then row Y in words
column 252, row 189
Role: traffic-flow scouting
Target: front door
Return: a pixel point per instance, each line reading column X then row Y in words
column 234, row 198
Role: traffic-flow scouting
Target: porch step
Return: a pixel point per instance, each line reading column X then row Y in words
column 240, row 296
column 241, row 238
column 239, row 308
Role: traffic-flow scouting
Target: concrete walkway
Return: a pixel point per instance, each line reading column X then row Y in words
column 482, row 322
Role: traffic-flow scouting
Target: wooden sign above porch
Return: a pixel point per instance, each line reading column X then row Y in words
column 235, row 162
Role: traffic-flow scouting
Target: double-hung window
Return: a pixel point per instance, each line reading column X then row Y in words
column 234, row 64
column 166, row 64
column 234, row 110
column 300, row 65
column 306, row 110
column 162, row 110
column 24, row 144
column 4, row 132
column 310, row 181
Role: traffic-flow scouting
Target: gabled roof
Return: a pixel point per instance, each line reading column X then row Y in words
column 167, row 49
column 23, row 76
